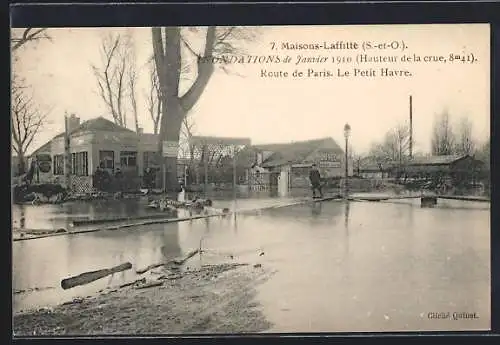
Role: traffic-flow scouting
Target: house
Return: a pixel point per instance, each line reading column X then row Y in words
column 453, row 166
column 370, row 169
column 97, row 142
column 447, row 167
column 264, row 163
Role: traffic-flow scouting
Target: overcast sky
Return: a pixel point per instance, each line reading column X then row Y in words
column 280, row 110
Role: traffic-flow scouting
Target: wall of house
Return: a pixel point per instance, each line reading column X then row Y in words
column 81, row 142
column 112, row 141
column 331, row 162
column 372, row 174
column 257, row 176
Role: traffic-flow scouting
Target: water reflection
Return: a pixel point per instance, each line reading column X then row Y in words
column 22, row 218
column 45, row 262
column 316, row 208
column 171, row 247
column 346, row 215
column 332, row 275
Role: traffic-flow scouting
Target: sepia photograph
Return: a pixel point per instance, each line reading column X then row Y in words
column 250, row 179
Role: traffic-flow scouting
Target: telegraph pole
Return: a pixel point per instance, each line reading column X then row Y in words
column 67, row 154
column 411, row 128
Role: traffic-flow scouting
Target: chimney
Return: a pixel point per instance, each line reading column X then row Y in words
column 73, row 122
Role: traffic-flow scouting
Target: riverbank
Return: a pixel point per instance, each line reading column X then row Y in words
column 211, row 299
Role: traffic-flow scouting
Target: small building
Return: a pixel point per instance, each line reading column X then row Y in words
column 373, row 170
column 422, row 167
column 98, row 142
column 456, row 167
column 264, row 163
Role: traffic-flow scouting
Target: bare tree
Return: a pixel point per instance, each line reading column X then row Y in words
column 27, row 120
column 132, row 82
column 172, row 53
column 356, row 159
column 442, row 140
column 483, row 152
column 112, row 79
column 187, row 132
column 401, row 136
column 19, row 37
column 394, row 147
column 464, row 143
column 153, row 97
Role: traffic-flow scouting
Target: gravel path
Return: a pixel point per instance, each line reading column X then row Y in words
column 213, row 299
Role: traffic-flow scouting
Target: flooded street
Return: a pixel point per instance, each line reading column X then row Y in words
column 340, row 266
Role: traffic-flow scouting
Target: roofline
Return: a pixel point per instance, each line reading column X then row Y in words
column 294, row 142
column 74, row 131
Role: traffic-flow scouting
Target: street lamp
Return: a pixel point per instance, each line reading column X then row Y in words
column 347, row 132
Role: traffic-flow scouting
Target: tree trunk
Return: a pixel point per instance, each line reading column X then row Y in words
column 22, row 163
column 170, row 182
column 168, row 66
column 170, row 122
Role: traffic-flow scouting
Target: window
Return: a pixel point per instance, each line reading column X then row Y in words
column 151, row 159
column 107, row 159
column 58, row 165
column 128, row 159
column 44, row 161
column 80, row 164
column 328, row 157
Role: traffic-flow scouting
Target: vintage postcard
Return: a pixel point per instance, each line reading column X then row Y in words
column 272, row 179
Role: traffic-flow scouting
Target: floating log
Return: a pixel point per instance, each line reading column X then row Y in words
column 175, row 262
column 186, row 258
column 150, row 267
column 142, row 280
column 81, row 222
column 89, row 277
column 428, row 201
column 150, row 284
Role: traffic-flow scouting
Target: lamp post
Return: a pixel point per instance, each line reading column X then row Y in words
column 347, row 132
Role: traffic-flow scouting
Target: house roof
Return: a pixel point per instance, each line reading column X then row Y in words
column 371, row 165
column 246, row 157
column 97, row 124
column 45, row 147
column 437, row 160
column 295, row 152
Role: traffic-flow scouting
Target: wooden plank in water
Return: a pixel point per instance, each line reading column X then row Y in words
column 464, row 198
column 89, row 277
column 120, row 219
column 179, row 261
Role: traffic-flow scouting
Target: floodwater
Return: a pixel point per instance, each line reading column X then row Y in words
column 340, row 266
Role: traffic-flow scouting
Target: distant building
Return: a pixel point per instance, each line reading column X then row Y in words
column 264, row 163
column 98, row 142
column 451, row 166
column 370, row 169
column 455, row 166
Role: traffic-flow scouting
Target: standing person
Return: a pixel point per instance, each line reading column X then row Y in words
column 119, row 179
column 98, row 178
column 315, row 178
column 146, row 178
column 152, row 178
column 28, row 178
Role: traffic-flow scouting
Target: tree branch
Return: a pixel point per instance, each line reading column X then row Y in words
column 205, row 70
column 29, row 35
